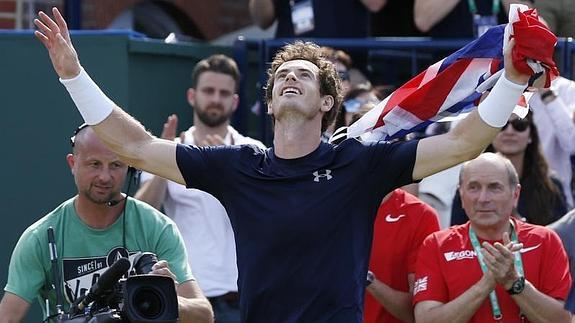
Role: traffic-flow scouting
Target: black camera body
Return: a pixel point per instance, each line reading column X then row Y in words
column 140, row 298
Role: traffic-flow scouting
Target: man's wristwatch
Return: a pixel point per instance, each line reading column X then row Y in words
column 517, row 287
column 369, row 279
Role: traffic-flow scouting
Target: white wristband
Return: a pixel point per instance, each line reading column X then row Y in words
column 496, row 109
column 93, row 104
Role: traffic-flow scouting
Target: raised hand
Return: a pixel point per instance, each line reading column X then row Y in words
column 511, row 72
column 56, row 38
column 170, row 128
column 514, row 75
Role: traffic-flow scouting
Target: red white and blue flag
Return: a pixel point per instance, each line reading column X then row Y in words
column 448, row 88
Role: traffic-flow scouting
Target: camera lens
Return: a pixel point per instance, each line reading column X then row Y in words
column 150, row 298
column 148, row 303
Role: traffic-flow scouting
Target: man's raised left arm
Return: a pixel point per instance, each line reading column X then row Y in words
column 470, row 137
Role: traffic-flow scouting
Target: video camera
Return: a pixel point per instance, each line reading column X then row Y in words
column 140, row 298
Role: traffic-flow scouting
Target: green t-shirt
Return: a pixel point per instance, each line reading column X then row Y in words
column 85, row 253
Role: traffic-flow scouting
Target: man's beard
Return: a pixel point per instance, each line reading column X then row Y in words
column 97, row 200
column 213, row 120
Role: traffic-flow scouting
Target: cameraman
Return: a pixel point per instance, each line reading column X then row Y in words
column 92, row 230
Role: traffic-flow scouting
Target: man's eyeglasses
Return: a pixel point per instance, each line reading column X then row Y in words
column 343, row 75
column 517, row 124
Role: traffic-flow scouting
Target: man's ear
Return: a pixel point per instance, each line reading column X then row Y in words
column 191, row 95
column 516, row 194
column 70, row 160
column 236, row 101
column 327, row 103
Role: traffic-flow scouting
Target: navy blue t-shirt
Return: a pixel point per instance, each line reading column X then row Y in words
column 304, row 226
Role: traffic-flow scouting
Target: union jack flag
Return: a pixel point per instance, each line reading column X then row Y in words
column 420, row 285
column 445, row 90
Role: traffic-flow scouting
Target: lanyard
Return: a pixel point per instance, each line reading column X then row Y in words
column 518, row 266
column 494, row 7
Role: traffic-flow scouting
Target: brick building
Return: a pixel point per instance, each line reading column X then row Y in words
column 197, row 19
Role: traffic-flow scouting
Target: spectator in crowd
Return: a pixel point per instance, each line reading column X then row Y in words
column 318, row 18
column 439, row 191
column 553, row 111
column 394, row 19
column 558, row 15
column 542, row 200
column 402, row 223
column 303, row 210
column 382, row 91
column 363, row 109
column 343, row 65
column 459, row 18
column 494, row 267
column 92, row 230
column 353, row 100
column 201, row 218
column 565, row 227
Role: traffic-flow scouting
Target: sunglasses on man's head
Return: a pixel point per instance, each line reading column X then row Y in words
column 517, row 124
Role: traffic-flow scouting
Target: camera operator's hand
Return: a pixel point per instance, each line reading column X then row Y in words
column 193, row 307
column 163, row 269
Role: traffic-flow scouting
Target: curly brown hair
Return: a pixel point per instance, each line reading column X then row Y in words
column 329, row 80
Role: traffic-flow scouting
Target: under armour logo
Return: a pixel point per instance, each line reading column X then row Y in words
column 326, row 174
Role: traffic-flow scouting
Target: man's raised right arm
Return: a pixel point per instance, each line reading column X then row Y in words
column 118, row 130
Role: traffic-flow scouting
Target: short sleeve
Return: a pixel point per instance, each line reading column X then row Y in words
column 429, row 223
column 172, row 249
column 393, row 162
column 556, row 278
column 429, row 282
column 202, row 167
column 26, row 273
